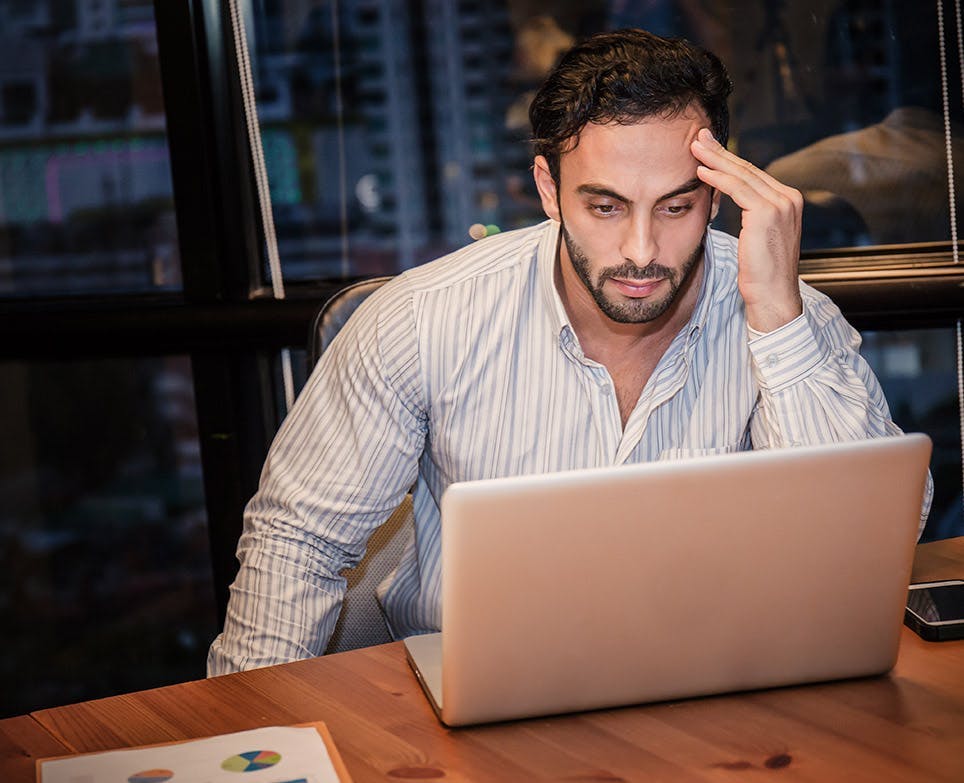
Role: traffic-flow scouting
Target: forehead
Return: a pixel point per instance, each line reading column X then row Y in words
column 645, row 158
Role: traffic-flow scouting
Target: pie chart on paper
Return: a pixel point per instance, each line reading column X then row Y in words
column 251, row 761
column 151, row 776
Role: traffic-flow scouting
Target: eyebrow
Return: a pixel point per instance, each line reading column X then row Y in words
column 600, row 190
column 686, row 187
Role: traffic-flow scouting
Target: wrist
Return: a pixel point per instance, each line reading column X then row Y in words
column 769, row 316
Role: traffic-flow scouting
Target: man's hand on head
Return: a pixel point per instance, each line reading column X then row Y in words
column 769, row 249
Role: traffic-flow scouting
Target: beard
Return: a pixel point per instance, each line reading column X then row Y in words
column 628, row 310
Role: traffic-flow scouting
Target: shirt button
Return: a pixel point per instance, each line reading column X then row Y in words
column 773, row 360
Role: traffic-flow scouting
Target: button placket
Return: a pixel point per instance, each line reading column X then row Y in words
column 608, row 423
column 665, row 383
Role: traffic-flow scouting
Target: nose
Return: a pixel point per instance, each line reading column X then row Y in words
column 639, row 243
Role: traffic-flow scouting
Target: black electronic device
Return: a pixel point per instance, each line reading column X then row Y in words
column 935, row 610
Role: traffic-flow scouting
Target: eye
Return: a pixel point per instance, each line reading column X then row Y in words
column 676, row 210
column 604, row 209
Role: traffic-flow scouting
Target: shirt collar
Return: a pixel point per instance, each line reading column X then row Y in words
column 701, row 312
column 548, row 254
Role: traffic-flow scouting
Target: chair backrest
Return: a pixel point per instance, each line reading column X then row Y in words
column 361, row 622
column 333, row 314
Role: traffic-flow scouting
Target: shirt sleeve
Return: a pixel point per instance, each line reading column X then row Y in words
column 341, row 463
column 815, row 387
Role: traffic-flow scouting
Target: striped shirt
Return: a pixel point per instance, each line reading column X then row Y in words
column 467, row 368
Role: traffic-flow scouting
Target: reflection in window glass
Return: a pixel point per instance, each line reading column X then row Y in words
column 391, row 128
column 918, row 372
column 85, row 187
column 105, row 573
column 871, row 152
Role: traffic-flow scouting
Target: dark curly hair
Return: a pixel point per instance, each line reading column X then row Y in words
column 623, row 77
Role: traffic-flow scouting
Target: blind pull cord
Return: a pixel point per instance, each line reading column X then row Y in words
column 261, row 178
column 342, row 157
column 948, row 139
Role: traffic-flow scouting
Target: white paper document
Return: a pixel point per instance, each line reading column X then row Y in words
column 270, row 755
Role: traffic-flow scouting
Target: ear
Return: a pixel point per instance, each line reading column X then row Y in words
column 546, row 187
column 714, row 204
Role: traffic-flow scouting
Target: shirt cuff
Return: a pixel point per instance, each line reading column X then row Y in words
column 785, row 355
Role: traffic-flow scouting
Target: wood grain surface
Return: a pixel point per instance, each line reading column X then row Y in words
column 22, row 741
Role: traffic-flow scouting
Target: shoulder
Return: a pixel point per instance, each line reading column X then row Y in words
column 444, row 295
column 502, row 254
column 479, row 277
column 821, row 310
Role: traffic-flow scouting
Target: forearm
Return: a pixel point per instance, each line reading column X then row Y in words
column 340, row 464
column 281, row 609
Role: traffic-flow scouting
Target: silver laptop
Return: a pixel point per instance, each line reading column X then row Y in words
column 612, row 586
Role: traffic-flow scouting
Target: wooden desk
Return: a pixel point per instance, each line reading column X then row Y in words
column 22, row 740
column 905, row 726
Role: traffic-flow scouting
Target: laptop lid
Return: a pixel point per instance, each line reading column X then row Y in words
column 612, row 586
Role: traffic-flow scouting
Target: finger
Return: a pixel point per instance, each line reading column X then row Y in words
column 719, row 156
column 745, row 194
column 771, row 205
column 750, row 191
column 713, row 154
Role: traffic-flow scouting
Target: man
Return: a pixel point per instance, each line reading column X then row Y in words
column 621, row 330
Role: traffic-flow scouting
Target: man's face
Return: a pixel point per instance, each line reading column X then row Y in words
column 633, row 215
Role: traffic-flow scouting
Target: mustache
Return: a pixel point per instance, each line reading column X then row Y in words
column 629, row 271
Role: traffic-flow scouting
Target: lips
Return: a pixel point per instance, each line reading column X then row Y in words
column 636, row 289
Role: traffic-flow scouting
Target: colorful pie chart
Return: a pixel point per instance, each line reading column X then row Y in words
column 151, row 776
column 251, row 761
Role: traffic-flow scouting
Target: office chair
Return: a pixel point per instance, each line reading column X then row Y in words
column 361, row 622
column 333, row 314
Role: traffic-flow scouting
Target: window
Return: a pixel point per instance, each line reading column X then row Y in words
column 105, row 568
column 105, row 565
column 843, row 102
column 85, row 185
column 917, row 370
column 19, row 102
